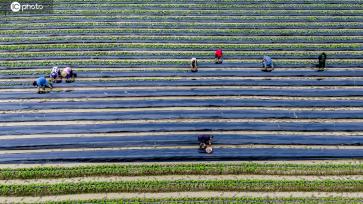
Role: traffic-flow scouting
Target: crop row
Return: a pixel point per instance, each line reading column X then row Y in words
column 204, row 39
column 182, row 185
column 92, row 62
column 209, row 12
column 209, row 1
column 213, row 200
column 182, row 169
column 219, row 32
column 35, row 18
column 183, row 25
column 180, row 54
column 218, row 5
column 182, row 46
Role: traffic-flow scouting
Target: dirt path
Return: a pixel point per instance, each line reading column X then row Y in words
column 151, row 121
column 248, row 146
column 205, row 194
column 289, row 98
column 96, row 110
column 194, row 133
column 128, row 88
column 163, row 78
column 175, row 178
column 127, row 69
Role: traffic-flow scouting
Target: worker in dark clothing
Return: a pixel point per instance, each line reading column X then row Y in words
column 205, row 143
column 194, row 65
column 42, row 83
column 322, row 60
column 218, row 56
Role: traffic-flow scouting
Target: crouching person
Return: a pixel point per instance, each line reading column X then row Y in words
column 322, row 60
column 205, row 143
column 218, row 55
column 55, row 75
column 194, row 65
column 42, row 83
column 69, row 74
column 267, row 64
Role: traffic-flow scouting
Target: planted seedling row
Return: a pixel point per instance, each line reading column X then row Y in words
column 183, row 25
column 192, row 32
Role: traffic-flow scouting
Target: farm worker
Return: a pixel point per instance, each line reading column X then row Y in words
column 69, row 74
column 218, row 56
column 267, row 64
column 42, row 82
column 194, row 64
column 55, row 75
column 205, row 143
column 322, row 59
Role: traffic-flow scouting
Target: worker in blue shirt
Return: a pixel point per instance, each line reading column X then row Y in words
column 42, row 83
column 267, row 64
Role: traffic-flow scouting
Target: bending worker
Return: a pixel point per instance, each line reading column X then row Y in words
column 42, row 83
column 55, row 75
column 69, row 74
column 267, row 64
column 194, row 64
column 218, row 56
column 322, row 61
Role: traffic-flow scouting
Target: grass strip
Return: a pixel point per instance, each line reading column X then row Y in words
column 219, row 32
column 130, row 38
column 252, row 185
column 204, row 1
column 213, row 200
column 169, row 12
column 186, row 54
column 181, row 62
column 255, row 25
column 35, row 18
column 182, row 169
column 218, row 5
column 210, row 46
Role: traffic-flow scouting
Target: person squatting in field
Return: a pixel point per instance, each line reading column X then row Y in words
column 55, row 75
column 42, row 83
column 322, row 60
column 69, row 74
column 267, row 64
column 194, row 65
column 218, row 55
column 205, row 143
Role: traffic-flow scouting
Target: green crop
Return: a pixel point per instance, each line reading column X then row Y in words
column 185, row 54
column 206, row 1
column 181, row 46
column 182, row 169
column 185, row 62
column 280, row 32
column 213, row 6
column 186, row 18
column 184, row 25
column 174, row 12
column 200, row 39
column 213, row 200
column 182, row 185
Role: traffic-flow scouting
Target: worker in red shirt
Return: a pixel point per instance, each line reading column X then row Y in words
column 218, row 56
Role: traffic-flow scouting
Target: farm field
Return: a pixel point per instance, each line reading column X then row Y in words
column 135, row 100
column 193, row 182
